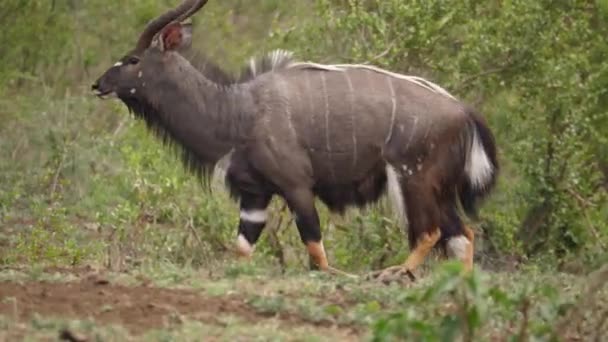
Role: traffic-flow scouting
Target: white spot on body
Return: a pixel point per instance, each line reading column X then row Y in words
column 407, row 171
column 457, row 247
column 140, row 74
column 244, row 247
column 254, row 215
column 133, row 91
column 395, row 194
column 478, row 166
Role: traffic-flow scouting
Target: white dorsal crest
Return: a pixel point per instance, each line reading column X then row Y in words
column 343, row 67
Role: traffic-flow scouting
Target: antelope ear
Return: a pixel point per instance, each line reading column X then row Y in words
column 176, row 36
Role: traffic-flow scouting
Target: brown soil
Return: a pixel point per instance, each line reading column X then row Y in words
column 138, row 309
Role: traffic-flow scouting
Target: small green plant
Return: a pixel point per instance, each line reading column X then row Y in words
column 469, row 308
column 52, row 240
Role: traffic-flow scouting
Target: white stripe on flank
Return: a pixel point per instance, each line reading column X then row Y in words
column 282, row 87
column 393, row 110
column 311, row 101
column 351, row 95
column 327, row 141
column 478, row 166
column 457, row 246
column 409, row 141
column 342, row 67
column 395, row 195
column 254, row 215
column 252, row 67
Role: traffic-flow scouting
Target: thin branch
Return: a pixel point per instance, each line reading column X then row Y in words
column 119, row 127
column 601, row 322
column 57, row 173
column 584, row 204
column 595, row 282
column 382, row 54
column 274, row 239
column 190, row 225
column 525, row 310
column 20, row 142
column 472, row 78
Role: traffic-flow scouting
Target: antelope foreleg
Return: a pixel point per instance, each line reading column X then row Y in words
column 252, row 220
column 301, row 203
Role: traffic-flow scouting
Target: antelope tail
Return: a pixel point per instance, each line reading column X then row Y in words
column 481, row 165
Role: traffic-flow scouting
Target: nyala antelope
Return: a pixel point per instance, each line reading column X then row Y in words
column 345, row 134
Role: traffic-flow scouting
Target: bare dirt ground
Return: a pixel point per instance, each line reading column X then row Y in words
column 138, row 308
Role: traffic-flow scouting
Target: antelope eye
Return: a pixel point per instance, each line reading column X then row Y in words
column 133, row 60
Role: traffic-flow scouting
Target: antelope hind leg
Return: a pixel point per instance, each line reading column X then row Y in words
column 423, row 247
column 461, row 247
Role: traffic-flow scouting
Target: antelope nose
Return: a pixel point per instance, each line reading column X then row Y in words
column 95, row 86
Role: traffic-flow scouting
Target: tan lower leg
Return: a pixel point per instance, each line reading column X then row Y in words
column 422, row 249
column 462, row 247
column 317, row 252
column 243, row 248
column 469, row 233
column 468, row 258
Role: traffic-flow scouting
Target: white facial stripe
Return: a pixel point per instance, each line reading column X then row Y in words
column 244, row 246
column 254, row 215
column 119, row 63
column 457, row 246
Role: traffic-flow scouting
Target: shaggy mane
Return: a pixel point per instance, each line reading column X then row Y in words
column 193, row 163
column 274, row 60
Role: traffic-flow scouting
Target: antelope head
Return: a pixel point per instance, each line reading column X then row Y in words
column 161, row 37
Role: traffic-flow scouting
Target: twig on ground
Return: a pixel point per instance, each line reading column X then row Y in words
column 56, row 174
column 595, row 282
column 274, row 240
